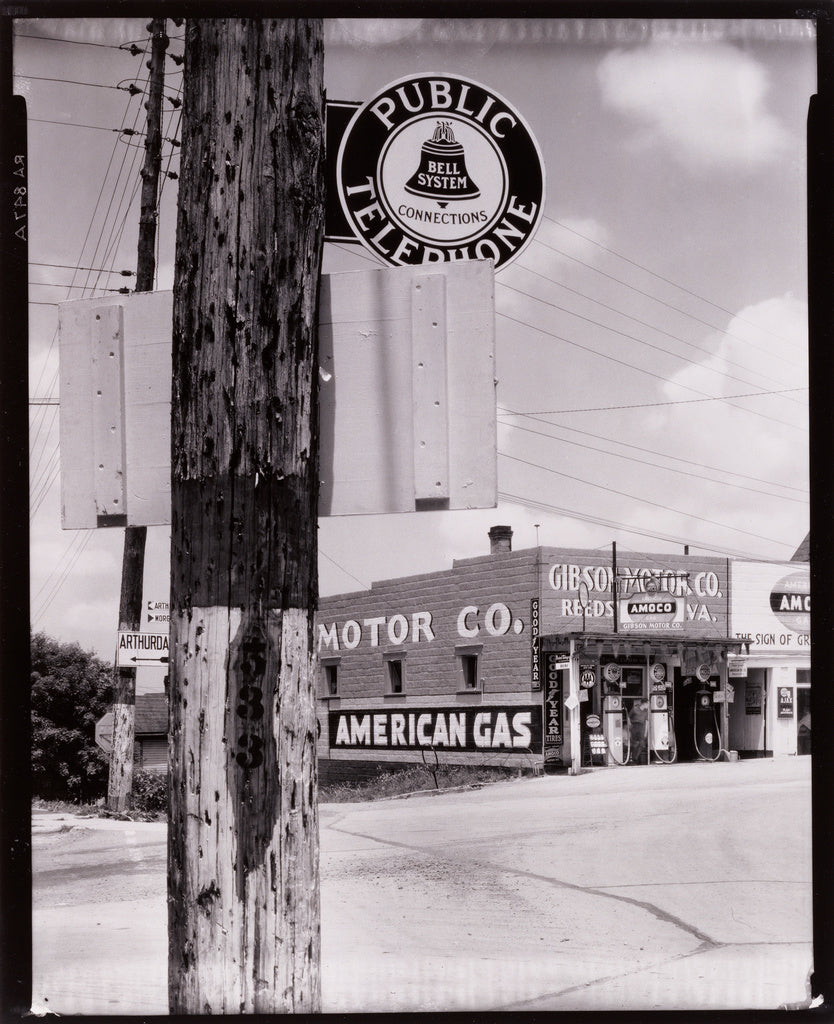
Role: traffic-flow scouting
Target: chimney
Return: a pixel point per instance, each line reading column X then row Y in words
column 500, row 539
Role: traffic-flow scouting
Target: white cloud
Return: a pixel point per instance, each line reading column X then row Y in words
column 765, row 439
column 705, row 103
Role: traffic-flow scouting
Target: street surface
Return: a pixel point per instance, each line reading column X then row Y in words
column 639, row 888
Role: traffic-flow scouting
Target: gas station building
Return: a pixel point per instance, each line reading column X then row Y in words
column 563, row 659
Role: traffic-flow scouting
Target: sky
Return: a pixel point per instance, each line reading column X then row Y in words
column 651, row 340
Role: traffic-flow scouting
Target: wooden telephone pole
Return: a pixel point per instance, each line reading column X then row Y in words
column 243, row 830
column 120, row 781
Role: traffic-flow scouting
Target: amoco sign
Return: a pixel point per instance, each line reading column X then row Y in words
column 436, row 168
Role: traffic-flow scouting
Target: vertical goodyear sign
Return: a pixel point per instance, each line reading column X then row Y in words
column 555, row 665
column 436, row 167
column 535, row 648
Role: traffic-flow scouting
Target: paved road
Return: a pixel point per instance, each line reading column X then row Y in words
column 641, row 888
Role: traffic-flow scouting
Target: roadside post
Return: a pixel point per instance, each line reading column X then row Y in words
column 573, row 705
column 120, row 778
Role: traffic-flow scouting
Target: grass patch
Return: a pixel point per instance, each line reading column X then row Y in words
column 97, row 810
column 382, row 786
column 63, row 807
column 401, row 782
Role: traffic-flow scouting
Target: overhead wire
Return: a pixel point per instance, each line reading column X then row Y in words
column 702, row 398
column 648, row 451
column 347, row 572
column 38, row 425
column 640, row 369
column 585, row 516
column 64, row 575
column 65, row 81
column 655, row 465
column 637, row 320
column 660, row 277
column 42, row 478
column 651, row 405
column 75, row 42
column 370, row 258
column 655, row 298
column 633, row 337
column 645, row 501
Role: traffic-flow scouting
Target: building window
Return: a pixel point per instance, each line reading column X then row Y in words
column 469, row 656
column 330, row 677
column 469, row 665
column 395, row 676
column 394, row 672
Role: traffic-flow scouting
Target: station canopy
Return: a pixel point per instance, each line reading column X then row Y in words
column 614, row 645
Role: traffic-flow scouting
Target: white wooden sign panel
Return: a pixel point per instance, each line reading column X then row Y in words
column 100, row 400
column 406, row 397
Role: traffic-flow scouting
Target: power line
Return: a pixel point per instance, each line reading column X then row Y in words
column 645, row 501
column 69, row 81
column 637, row 320
column 74, row 42
column 64, row 576
column 640, row 369
column 69, row 266
column 83, row 287
column 43, row 482
column 654, row 298
column 650, row 451
column 660, row 277
column 655, row 465
column 344, row 570
column 653, row 405
column 75, row 124
column 632, row 337
column 612, row 524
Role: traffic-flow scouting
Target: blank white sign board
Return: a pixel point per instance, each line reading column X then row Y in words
column 406, row 397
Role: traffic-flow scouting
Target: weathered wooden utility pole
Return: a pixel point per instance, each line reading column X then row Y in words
column 243, row 830
column 120, row 781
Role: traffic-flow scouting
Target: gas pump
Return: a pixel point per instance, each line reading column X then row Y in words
column 662, row 730
column 707, row 732
column 615, row 728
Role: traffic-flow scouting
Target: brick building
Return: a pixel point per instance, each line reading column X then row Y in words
column 530, row 658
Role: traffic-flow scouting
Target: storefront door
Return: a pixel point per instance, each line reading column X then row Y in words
column 625, row 710
column 803, row 719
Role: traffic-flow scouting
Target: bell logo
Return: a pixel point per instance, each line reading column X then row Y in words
column 442, row 174
column 437, row 168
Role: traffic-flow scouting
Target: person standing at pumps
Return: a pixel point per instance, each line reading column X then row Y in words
column 638, row 726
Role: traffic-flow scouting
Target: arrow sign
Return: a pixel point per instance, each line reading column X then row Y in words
column 159, row 617
column 135, row 648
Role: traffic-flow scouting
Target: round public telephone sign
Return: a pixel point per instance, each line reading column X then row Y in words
column 437, row 167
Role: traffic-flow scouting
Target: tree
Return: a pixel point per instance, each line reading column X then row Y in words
column 243, row 831
column 71, row 690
